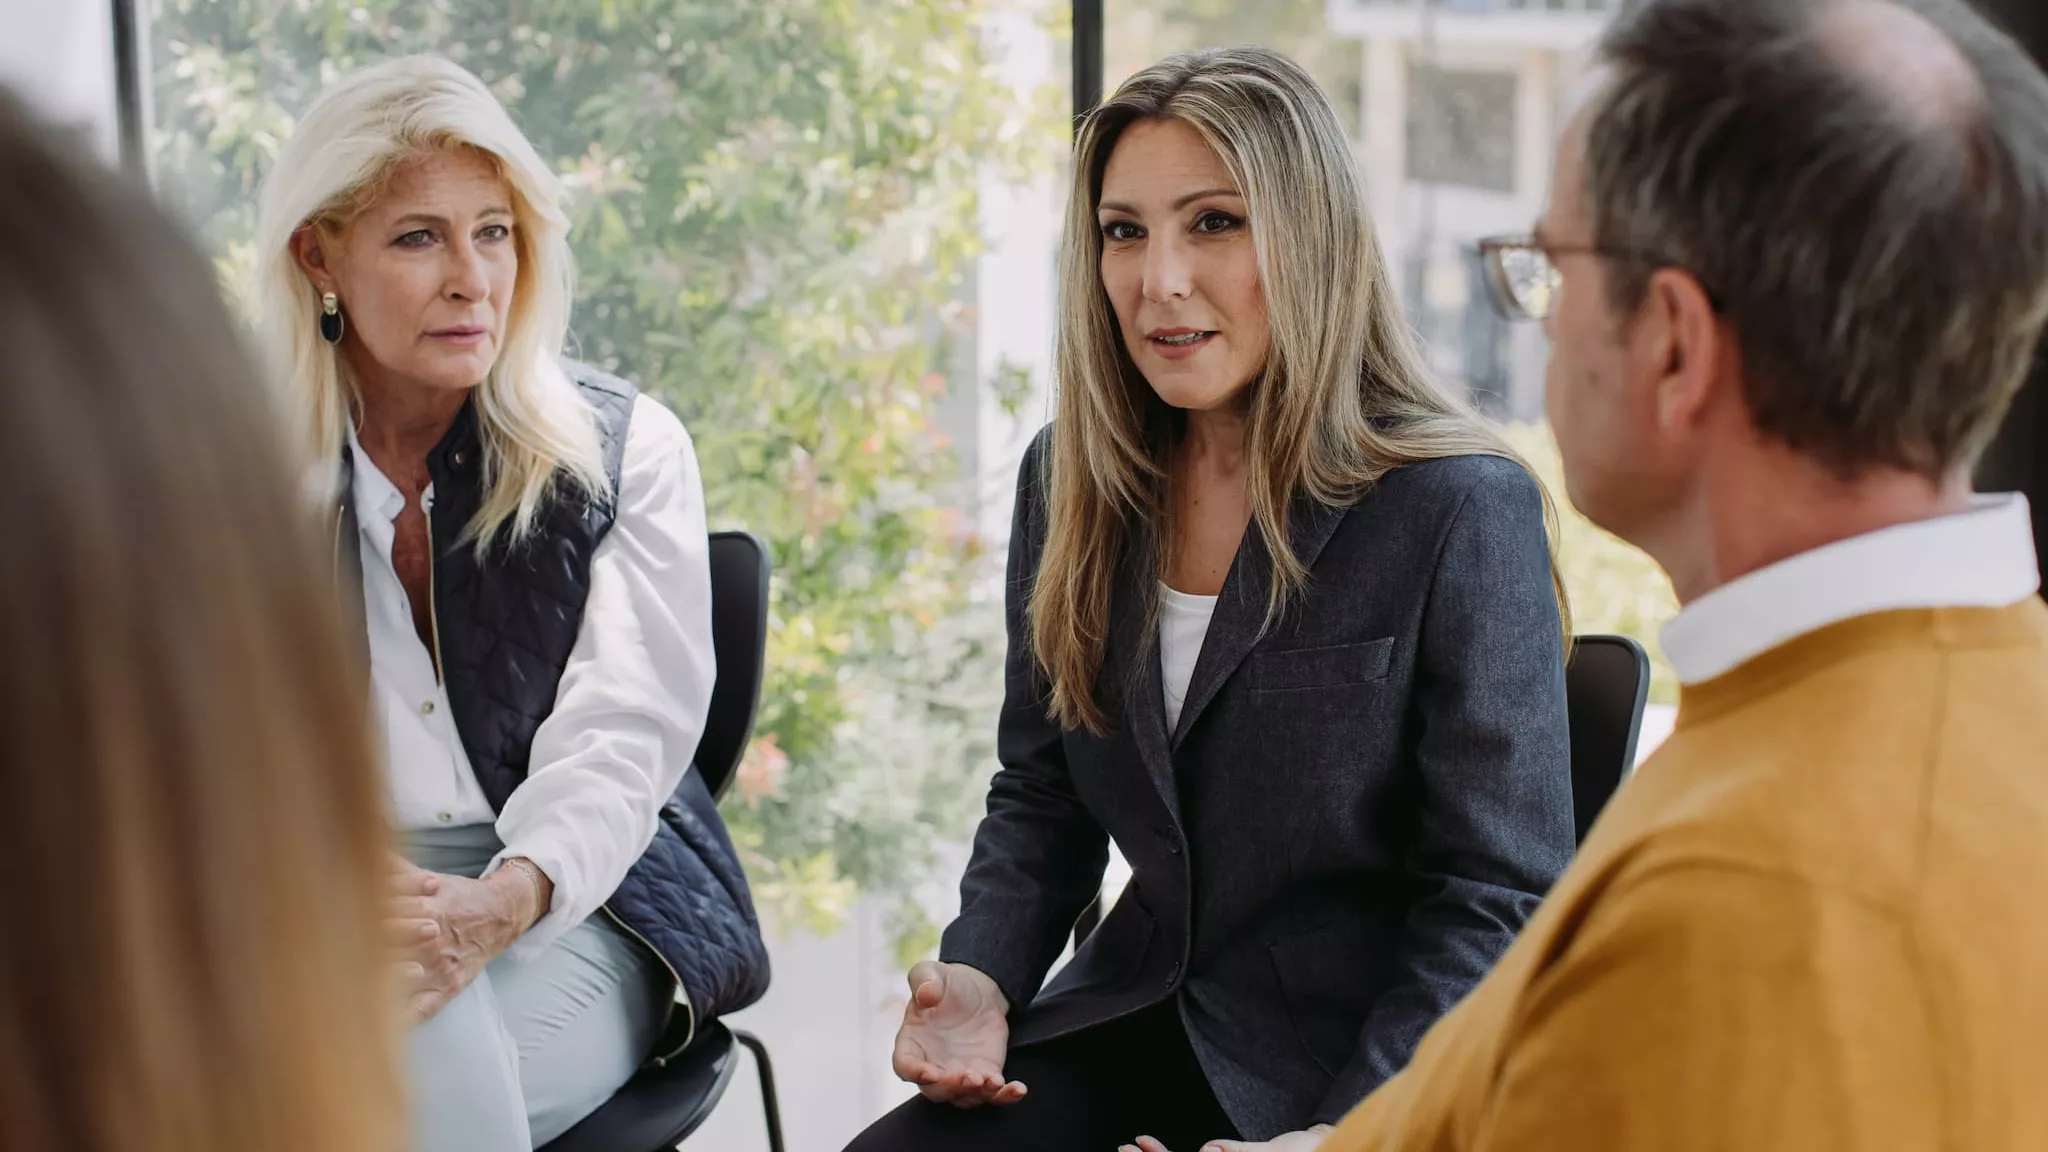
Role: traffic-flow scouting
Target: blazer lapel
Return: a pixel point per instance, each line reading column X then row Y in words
column 1240, row 617
column 1133, row 658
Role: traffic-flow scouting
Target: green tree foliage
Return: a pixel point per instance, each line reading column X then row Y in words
column 774, row 206
column 1614, row 588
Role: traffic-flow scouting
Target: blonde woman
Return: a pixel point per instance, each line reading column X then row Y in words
column 194, row 960
column 525, row 540
column 1283, row 625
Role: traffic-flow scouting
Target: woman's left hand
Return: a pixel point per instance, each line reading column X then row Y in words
column 1307, row 1141
column 474, row 920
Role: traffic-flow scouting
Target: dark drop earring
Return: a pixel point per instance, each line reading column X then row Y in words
column 330, row 319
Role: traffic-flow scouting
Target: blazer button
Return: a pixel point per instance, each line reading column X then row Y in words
column 1173, row 976
column 1172, row 839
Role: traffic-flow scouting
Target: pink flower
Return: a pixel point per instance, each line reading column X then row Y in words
column 761, row 771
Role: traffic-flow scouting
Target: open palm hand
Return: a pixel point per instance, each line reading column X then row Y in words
column 955, row 1036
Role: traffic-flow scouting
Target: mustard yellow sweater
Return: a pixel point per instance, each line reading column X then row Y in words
column 1816, row 920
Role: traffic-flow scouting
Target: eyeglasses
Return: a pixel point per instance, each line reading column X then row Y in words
column 1522, row 275
column 1522, row 280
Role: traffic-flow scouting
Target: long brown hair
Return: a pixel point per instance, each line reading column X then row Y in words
column 190, row 816
column 1343, row 398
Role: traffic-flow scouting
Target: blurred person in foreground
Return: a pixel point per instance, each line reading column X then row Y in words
column 522, row 541
column 1283, row 624
column 1795, row 267
column 193, row 959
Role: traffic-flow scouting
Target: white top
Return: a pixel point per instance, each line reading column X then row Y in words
column 1183, row 622
column 628, row 710
column 1982, row 558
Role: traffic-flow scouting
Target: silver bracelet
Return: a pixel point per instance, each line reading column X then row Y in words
column 534, row 876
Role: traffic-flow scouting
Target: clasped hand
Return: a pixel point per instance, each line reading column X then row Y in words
column 445, row 929
column 1307, row 1141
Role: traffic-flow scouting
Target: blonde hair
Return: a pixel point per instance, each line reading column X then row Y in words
column 535, row 426
column 190, row 799
column 1343, row 398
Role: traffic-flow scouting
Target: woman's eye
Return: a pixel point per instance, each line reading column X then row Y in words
column 417, row 238
column 494, row 232
column 1122, row 230
column 1213, row 222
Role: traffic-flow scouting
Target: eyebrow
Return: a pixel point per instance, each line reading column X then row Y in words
column 1190, row 198
column 430, row 218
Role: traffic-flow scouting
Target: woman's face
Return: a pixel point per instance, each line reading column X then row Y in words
column 1179, row 266
column 425, row 273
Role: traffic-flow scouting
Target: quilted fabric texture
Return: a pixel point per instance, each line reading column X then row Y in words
column 507, row 623
column 688, row 896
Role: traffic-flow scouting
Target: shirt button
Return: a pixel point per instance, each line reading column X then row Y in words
column 449, row 818
column 427, row 708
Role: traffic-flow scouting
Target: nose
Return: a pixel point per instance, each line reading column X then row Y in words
column 465, row 277
column 1168, row 276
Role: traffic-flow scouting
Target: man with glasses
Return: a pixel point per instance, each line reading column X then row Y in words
column 1794, row 268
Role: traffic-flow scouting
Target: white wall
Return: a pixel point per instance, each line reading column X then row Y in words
column 1015, row 289
column 60, row 55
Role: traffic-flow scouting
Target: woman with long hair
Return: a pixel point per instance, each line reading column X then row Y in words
column 1283, row 624
column 523, row 541
column 196, row 847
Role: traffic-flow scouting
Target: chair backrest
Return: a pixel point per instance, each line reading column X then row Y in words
column 1606, row 685
column 739, row 639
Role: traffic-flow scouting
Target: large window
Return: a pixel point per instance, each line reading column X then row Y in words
column 822, row 232
column 825, row 234
column 1454, row 106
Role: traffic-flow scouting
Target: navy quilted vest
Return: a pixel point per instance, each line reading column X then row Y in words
column 506, row 623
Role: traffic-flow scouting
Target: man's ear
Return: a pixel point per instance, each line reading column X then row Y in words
column 1681, row 336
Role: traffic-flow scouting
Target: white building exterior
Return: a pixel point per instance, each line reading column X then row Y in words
column 1506, row 72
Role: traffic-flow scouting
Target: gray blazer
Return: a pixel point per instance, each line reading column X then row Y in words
column 1356, row 813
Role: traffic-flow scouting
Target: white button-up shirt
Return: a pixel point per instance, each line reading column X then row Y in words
column 1981, row 558
column 631, row 702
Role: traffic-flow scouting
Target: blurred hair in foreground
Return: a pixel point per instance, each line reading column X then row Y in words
column 192, row 829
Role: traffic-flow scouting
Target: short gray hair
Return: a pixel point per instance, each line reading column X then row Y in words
column 1883, row 258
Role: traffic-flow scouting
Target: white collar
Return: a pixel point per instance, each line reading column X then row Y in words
column 1981, row 558
column 374, row 492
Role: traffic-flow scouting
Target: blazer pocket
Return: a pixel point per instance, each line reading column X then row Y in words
column 1112, row 955
column 1325, row 983
column 1329, row 667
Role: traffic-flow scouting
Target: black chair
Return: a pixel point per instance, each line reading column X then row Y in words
column 667, row 1100
column 1606, row 685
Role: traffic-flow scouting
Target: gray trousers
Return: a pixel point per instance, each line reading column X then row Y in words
column 531, row 1047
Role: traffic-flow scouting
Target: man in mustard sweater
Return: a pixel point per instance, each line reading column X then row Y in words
column 1794, row 267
